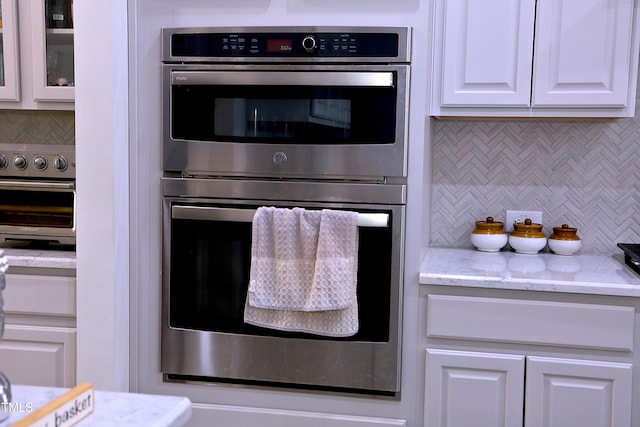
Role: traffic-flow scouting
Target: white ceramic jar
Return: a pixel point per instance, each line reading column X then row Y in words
column 527, row 237
column 489, row 235
column 565, row 240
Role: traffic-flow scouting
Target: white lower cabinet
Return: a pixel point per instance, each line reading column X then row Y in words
column 38, row 346
column 502, row 390
column 497, row 358
column 561, row 392
column 473, row 389
column 39, row 355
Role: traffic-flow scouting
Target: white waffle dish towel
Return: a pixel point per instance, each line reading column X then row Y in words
column 304, row 271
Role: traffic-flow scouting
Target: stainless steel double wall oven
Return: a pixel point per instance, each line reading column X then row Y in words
column 312, row 117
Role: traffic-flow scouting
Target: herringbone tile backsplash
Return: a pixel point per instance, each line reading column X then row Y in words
column 37, row 127
column 585, row 173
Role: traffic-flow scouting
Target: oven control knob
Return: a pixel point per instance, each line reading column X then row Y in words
column 20, row 162
column 309, row 43
column 60, row 164
column 3, row 162
column 40, row 163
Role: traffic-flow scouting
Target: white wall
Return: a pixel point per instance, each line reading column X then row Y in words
column 102, row 193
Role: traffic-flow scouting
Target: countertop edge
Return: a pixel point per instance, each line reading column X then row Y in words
column 39, row 258
column 112, row 408
column 597, row 274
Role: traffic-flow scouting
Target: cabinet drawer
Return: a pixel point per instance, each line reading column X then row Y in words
column 531, row 322
column 33, row 294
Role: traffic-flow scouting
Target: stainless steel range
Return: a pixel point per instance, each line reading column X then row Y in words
column 310, row 117
column 631, row 255
column 37, row 192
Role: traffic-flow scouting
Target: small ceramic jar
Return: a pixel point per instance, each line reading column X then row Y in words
column 489, row 235
column 527, row 237
column 565, row 240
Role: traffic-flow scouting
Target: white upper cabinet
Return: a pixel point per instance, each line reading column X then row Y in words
column 9, row 70
column 36, row 55
column 487, row 49
column 52, row 50
column 528, row 58
column 583, row 53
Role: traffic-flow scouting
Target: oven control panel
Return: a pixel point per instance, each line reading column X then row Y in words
column 297, row 45
column 37, row 161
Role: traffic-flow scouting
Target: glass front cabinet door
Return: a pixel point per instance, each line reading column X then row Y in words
column 36, row 54
column 52, row 50
column 9, row 60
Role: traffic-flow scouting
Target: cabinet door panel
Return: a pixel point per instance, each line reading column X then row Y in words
column 487, row 52
column 473, row 389
column 39, row 355
column 582, row 53
column 565, row 392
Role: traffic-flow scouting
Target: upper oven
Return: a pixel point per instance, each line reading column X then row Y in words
column 286, row 104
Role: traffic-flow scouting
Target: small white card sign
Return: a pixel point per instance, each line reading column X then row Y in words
column 63, row 411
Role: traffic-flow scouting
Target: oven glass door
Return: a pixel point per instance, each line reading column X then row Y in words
column 210, row 261
column 285, row 107
column 32, row 207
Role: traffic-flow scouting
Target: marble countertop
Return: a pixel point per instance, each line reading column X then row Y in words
column 111, row 408
column 600, row 274
column 20, row 254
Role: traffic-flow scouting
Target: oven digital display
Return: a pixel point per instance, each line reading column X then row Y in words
column 279, row 45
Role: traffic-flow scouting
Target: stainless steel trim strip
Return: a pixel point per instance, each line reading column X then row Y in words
column 32, row 185
column 246, row 215
column 292, row 191
column 269, row 78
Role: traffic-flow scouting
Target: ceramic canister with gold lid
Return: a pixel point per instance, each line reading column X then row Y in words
column 565, row 240
column 489, row 235
column 527, row 237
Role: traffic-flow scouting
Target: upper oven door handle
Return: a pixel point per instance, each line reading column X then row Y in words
column 206, row 213
column 283, row 78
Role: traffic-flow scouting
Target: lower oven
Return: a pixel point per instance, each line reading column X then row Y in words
column 206, row 262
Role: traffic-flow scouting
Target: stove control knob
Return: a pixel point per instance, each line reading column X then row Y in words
column 309, row 43
column 20, row 162
column 3, row 162
column 40, row 163
column 60, row 164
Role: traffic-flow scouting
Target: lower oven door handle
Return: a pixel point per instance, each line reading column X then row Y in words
column 206, row 213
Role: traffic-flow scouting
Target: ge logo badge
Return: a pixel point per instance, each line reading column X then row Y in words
column 279, row 158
